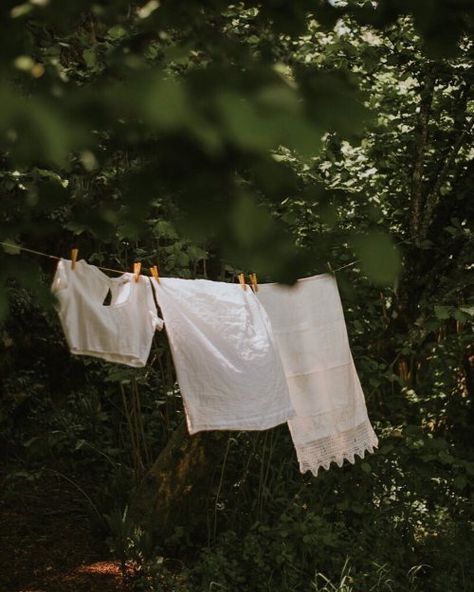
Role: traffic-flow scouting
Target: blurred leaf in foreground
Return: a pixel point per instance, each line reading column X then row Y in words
column 379, row 258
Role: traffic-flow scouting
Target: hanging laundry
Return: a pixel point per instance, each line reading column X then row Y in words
column 331, row 422
column 227, row 364
column 120, row 332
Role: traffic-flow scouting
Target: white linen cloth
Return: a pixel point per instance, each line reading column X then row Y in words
column 227, row 364
column 121, row 332
column 331, row 422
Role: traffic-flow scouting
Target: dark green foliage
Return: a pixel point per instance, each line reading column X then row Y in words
column 282, row 138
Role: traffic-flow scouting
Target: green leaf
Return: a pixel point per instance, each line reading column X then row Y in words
column 460, row 482
column 244, row 125
column 11, row 247
column 250, row 221
column 122, row 375
column 21, row 10
column 460, row 316
column 90, row 58
column 196, row 253
column 442, row 312
column 271, row 119
column 145, row 11
column 165, row 104
column 165, row 229
column 76, row 227
column 445, row 457
column 24, row 63
column 379, row 258
column 116, row 32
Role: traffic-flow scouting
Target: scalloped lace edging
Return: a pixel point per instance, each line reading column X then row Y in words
column 337, row 448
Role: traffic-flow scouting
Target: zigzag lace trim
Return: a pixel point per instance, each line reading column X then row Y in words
column 337, row 448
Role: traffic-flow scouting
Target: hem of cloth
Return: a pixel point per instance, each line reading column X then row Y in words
column 263, row 423
column 320, row 453
column 317, row 370
column 127, row 359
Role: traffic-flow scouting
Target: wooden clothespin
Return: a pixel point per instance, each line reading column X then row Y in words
column 74, row 253
column 242, row 281
column 154, row 273
column 253, row 281
column 137, row 266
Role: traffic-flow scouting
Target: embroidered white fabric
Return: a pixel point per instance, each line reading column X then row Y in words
column 331, row 422
column 337, row 448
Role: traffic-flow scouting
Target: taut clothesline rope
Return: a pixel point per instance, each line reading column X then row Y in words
column 27, row 250
column 12, row 246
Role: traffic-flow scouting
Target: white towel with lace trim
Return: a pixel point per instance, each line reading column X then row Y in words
column 331, row 422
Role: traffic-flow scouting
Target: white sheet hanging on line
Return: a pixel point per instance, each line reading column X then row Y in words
column 228, row 367
column 331, row 422
column 121, row 332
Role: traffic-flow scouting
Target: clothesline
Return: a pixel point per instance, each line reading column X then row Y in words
column 34, row 252
column 27, row 250
column 243, row 366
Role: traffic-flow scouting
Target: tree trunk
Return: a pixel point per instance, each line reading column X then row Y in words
column 175, row 490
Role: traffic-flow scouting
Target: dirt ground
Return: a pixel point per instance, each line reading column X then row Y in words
column 47, row 543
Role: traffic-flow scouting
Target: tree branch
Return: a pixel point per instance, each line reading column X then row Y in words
column 433, row 198
column 426, row 98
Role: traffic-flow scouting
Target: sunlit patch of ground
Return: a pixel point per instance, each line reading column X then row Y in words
column 47, row 545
